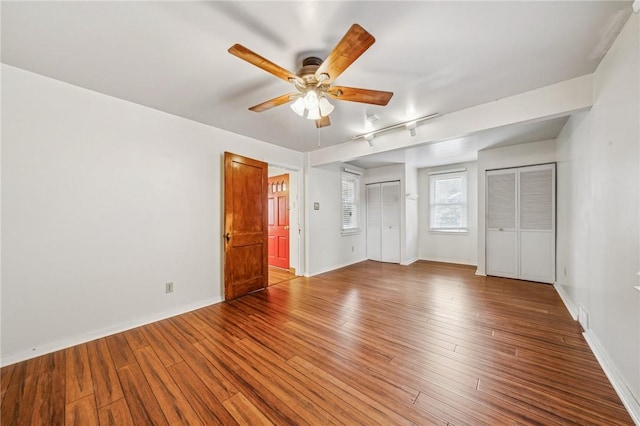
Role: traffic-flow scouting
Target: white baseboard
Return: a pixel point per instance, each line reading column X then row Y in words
column 446, row 260
column 573, row 311
column 108, row 331
column 410, row 261
column 332, row 268
column 628, row 400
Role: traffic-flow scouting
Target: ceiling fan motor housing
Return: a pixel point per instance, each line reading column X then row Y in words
column 308, row 72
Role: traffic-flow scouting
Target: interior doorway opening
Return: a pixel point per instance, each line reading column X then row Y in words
column 285, row 224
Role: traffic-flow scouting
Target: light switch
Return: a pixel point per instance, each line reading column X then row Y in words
column 316, row 206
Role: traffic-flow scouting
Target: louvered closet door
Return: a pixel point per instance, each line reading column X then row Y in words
column 374, row 222
column 501, row 243
column 537, row 223
column 390, row 222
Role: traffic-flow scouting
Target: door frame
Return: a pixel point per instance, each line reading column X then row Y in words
column 297, row 220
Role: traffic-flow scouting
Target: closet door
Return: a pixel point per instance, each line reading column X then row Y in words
column 374, row 222
column 520, row 225
column 390, row 222
column 537, row 223
column 502, row 238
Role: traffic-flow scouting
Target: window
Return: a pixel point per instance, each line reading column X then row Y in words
column 350, row 202
column 448, row 202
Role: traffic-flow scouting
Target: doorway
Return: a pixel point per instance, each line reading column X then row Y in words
column 285, row 211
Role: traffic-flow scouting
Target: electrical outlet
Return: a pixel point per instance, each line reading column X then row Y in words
column 353, row 248
column 583, row 317
column 168, row 288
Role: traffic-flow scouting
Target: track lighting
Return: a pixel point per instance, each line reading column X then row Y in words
column 409, row 125
column 369, row 138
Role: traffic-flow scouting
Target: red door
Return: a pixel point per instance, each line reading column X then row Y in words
column 278, row 196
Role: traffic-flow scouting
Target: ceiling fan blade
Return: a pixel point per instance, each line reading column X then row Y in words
column 353, row 94
column 354, row 43
column 253, row 58
column 323, row 122
column 271, row 103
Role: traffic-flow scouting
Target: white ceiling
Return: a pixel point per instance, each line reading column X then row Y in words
column 435, row 56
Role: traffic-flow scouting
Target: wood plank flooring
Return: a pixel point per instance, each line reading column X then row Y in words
column 373, row 343
column 278, row 275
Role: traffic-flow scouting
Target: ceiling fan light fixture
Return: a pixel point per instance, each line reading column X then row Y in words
column 325, row 107
column 298, row 107
column 314, row 114
column 311, row 100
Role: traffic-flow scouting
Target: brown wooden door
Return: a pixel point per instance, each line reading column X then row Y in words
column 278, row 190
column 245, row 225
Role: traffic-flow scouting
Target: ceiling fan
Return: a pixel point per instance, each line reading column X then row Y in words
column 314, row 80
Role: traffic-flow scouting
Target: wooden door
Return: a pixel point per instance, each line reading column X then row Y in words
column 278, row 196
column 245, row 225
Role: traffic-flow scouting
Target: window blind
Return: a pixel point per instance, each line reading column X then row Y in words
column 448, row 202
column 350, row 201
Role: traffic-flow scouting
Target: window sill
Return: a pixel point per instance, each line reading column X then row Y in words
column 350, row 232
column 449, row 231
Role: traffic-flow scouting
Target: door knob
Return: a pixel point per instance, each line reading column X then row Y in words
column 227, row 236
column 286, row 227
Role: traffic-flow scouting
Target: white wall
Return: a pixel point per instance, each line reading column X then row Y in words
column 104, row 201
column 327, row 248
column 412, row 217
column 573, row 221
column 599, row 214
column 443, row 247
column 509, row 156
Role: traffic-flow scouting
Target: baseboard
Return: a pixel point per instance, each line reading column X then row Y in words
column 332, row 268
column 445, row 260
column 410, row 261
column 108, row 331
column 628, row 400
column 573, row 311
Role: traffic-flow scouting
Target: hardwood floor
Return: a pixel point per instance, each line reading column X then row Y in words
column 278, row 275
column 373, row 343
